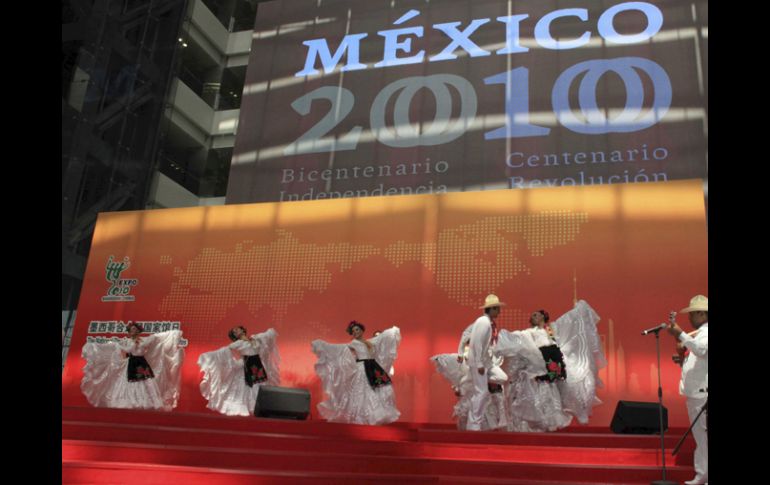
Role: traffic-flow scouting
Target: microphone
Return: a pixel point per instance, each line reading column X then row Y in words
column 655, row 329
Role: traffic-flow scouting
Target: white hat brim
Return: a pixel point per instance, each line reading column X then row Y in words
column 492, row 306
column 691, row 309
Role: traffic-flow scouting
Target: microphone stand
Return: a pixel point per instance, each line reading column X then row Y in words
column 660, row 416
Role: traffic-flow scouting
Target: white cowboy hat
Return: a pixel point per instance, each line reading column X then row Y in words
column 698, row 303
column 491, row 301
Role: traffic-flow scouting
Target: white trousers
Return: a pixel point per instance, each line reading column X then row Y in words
column 701, row 458
column 481, row 396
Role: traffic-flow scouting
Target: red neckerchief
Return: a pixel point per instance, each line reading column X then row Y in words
column 493, row 341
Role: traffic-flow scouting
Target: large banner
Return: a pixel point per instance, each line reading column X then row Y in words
column 349, row 98
column 425, row 263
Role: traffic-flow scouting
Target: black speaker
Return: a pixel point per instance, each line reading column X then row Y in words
column 282, row 402
column 638, row 418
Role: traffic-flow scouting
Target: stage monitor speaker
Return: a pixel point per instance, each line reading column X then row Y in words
column 638, row 418
column 282, row 402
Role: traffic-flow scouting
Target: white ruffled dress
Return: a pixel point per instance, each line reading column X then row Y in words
column 535, row 405
column 105, row 381
column 351, row 399
column 224, row 384
column 458, row 376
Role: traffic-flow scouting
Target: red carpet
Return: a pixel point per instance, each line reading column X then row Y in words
column 102, row 446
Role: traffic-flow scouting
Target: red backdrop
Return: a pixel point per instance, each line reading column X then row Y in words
column 424, row 263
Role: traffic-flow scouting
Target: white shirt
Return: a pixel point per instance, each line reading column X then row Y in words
column 539, row 336
column 246, row 347
column 131, row 346
column 478, row 354
column 695, row 369
column 362, row 351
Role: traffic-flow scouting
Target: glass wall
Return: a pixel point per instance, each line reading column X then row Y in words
column 144, row 94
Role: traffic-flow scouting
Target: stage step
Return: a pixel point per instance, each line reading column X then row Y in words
column 126, row 446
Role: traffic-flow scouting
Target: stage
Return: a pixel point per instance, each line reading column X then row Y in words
column 101, row 446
